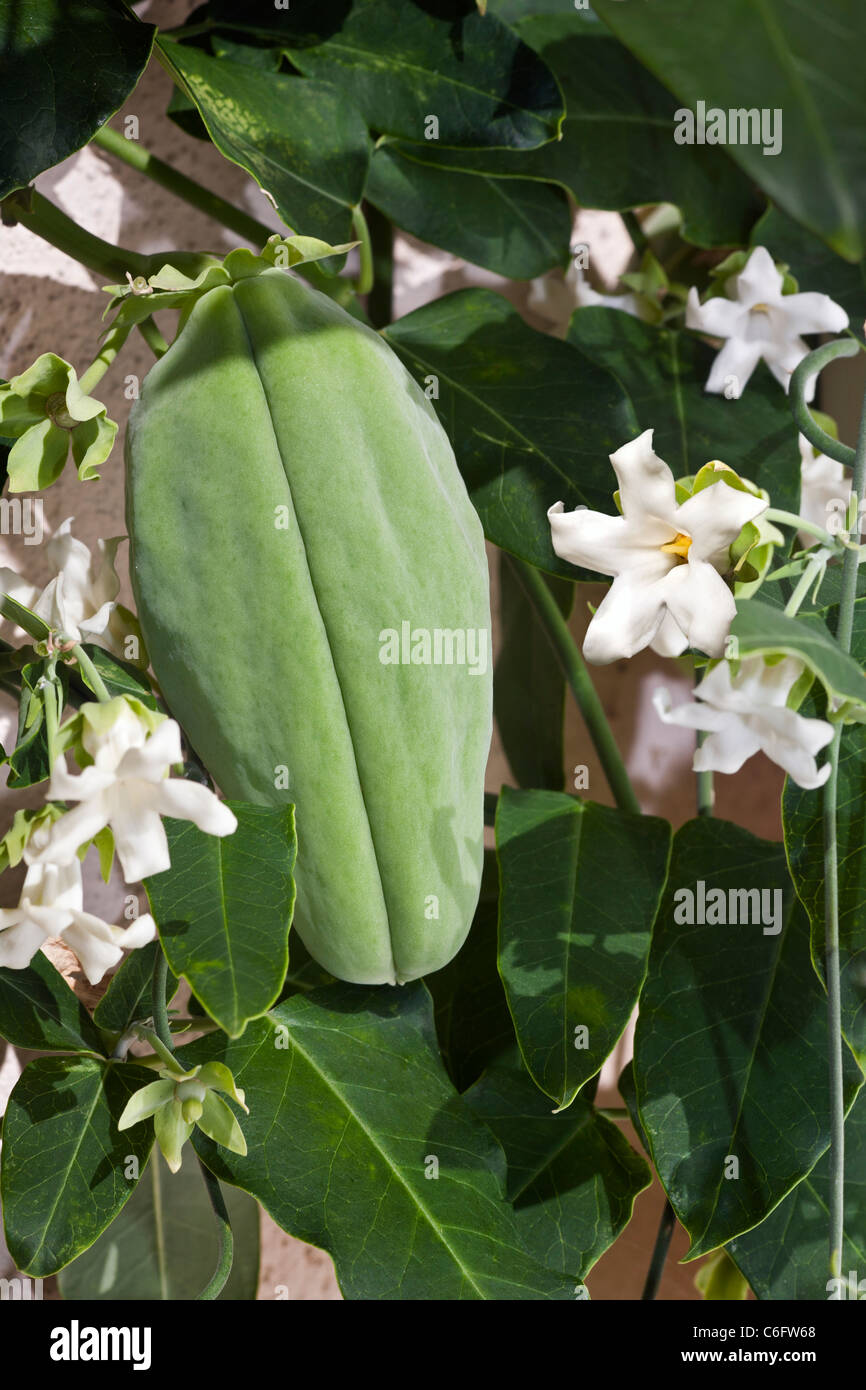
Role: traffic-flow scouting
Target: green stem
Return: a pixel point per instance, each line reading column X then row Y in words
column 635, row 231
column 803, row 585
column 706, row 793
column 380, row 300
column 364, row 283
column 806, row 423
column 848, row 594
column 152, row 336
column 219, row 1278
column 660, row 1254
column 53, row 706
column 45, row 220
column 114, row 341
column 575, row 672
column 211, row 204
column 97, row 684
column 801, row 524
column 160, row 1013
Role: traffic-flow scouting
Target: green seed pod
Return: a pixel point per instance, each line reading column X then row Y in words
column 312, row 586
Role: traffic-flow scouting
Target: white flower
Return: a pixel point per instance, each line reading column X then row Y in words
column 51, row 905
column 556, row 297
column 665, row 558
column 760, row 322
column 746, row 714
column 128, row 789
column 824, row 487
column 81, row 599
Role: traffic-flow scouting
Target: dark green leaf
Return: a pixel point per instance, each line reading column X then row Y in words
column 617, row 149
column 38, row 1010
column 741, row 54
column 786, row 1256
column 129, row 995
column 664, row 373
column 64, row 70
column 528, row 685
column 403, row 61
column 731, row 1042
column 515, row 227
column 224, row 909
column 572, row 1177
column 303, row 142
column 67, row 1170
column 329, row 1073
column 163, row 1245
column 472, row 1020
column 532, row 421
column 580, row 887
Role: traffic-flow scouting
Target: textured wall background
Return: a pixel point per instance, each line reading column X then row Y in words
column 50, row 303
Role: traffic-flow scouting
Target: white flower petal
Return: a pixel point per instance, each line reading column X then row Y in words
column 719, row 317
column 813, row 313
column 792, row 741
column 191, row 801
column 73, row 830
column 140, row 839
column 99, row 945
column 727, row 750
column 670, row 640
column 646, row 484
column 591, row 539
column 627, row 619
column 151, row 761
column 692, row 715
column 701, row 602
column 19, row 940
column 738, row 359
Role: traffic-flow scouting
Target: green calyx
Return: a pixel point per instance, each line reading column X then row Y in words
column 181, row 1100
column 179, row 282
column 46, row 412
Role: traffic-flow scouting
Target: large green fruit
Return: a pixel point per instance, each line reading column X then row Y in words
column 291, row 500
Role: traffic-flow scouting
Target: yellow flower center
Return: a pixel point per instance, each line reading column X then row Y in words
column 759, row 309
column 678, row 546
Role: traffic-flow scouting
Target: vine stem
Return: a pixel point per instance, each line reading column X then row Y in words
column 114, row 341
column 364, row 283
column 225, row 1257
column 160, row 1013
column 46, row 220
column 850, row 564
column 575, row 671
column 660, row 1253
column 97, row 684
column 134, row 154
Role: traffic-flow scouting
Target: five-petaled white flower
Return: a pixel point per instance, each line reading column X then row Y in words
column 128, row 788
column 81, row 600
column 52, row 905
column 761, row 322
column 747, row 713
column 666, row 558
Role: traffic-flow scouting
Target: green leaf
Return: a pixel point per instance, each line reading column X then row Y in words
column 224, row 909
column 580, row 889
column 759, row 627
column 731, row 1043
column 617, row 149
column 774, row 53
column 786, row 1256
column 65, row 1164
column 39, row 1011
column 664, row 372
column 129, row 995
column 326, row 1075
column 814, row 265
column 303, row 142
column 163, row 1245
column 532, row 422
column 64, row 70
column 528, row 684
column 473, row 1024
column 403, row 61
column 572, row 1177
column 515, row 227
